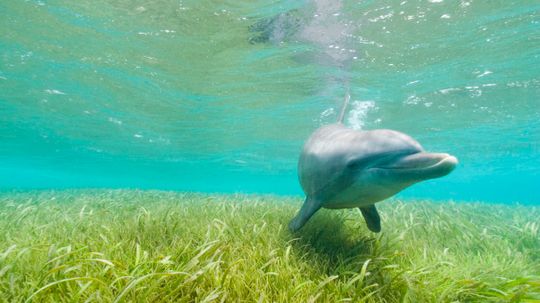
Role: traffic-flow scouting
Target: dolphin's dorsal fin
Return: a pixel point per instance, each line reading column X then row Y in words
column 344, row 107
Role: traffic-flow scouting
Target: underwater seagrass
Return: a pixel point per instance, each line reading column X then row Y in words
column 344, row 168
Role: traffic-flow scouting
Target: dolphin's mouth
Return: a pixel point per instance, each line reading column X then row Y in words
column 427, row 165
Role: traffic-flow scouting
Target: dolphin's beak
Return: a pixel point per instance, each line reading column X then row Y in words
column 422, row 165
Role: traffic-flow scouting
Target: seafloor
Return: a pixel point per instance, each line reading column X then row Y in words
column 149, row 246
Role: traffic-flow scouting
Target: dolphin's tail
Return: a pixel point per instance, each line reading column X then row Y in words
column 344, row 107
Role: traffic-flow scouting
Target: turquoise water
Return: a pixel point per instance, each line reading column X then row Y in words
column 219, row 96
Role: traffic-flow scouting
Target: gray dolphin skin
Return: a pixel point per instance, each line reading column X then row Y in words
column 344, row 168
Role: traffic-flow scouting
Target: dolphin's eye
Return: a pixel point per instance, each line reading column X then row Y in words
column 377, row 159
column 357, row 164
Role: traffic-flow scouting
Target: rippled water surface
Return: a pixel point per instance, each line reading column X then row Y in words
column 220, row 95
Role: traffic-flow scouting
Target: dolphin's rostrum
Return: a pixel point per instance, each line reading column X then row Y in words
column 344, row 168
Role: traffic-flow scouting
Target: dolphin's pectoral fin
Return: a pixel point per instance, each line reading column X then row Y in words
column 308, row 209
column 372, row 218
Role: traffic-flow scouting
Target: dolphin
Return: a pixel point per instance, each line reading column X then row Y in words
column 344, row 168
